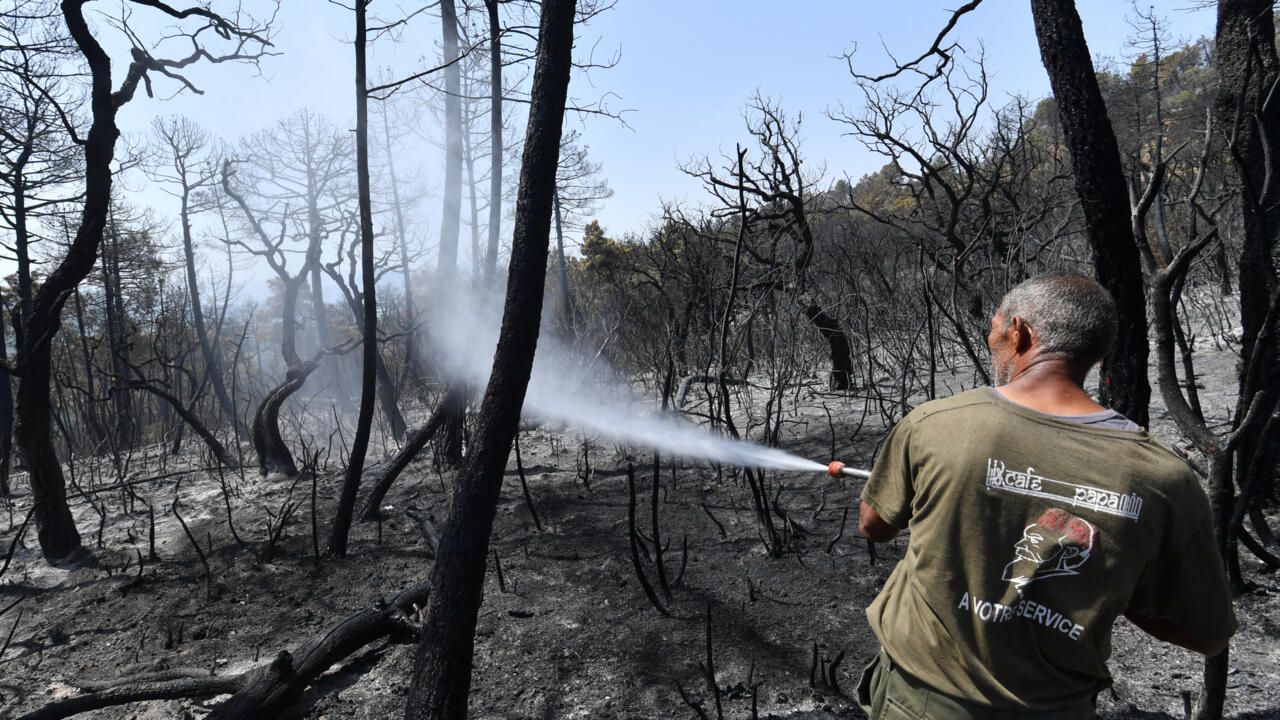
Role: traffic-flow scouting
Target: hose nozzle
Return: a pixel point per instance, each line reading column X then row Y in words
column 837, row 469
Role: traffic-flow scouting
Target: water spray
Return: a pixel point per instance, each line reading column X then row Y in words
column 837, row 469
column 591, row 398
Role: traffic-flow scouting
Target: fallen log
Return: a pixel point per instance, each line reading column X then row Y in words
column 266, row 690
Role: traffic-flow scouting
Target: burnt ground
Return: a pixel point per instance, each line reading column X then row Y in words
column 569, row 633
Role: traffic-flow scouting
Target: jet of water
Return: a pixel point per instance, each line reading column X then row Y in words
column 566, row 388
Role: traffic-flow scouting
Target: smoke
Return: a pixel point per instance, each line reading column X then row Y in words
column 581, row 392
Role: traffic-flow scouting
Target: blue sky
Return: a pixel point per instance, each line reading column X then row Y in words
column 686, row 69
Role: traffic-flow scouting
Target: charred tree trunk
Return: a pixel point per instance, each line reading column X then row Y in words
column 442, row 669
column 22, row 250
column 1220, row 450
column 364, row 422
column 268, row 444
column 220, row 454
column 97, row 434
column 329, row 372
column 450, row 221
column 33, row 432
column 473, row 193
column 6, row 407
column 266, row 690
column 1100, row 184
column 213, row 365
column 273, row 454
column 389, row 397
column 1248, row 71
column 388, row 393
column 837, row 341
column 114, row 316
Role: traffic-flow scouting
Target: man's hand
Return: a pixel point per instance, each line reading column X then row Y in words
column 1170, row 633
column 874, row 527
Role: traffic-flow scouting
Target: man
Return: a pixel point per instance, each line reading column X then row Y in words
column 1036, row 517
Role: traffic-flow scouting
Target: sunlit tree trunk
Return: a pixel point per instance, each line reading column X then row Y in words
column 495, row 139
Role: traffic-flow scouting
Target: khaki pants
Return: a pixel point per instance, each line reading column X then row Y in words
column 886, row 693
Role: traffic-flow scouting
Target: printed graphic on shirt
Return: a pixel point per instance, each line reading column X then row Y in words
column 1056, row 544
column 1002, row 479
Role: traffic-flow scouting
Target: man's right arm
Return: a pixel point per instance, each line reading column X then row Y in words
column 886, row 498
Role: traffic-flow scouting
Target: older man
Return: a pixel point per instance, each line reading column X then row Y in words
column 1037, row 517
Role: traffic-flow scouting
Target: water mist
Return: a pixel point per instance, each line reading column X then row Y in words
column 567, row 388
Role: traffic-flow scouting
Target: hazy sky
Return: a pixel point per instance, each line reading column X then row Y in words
column 686, row 68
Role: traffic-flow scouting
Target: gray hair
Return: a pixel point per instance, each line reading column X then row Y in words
column 1072, row 315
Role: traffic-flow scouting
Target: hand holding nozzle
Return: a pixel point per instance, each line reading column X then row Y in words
column 837, row 469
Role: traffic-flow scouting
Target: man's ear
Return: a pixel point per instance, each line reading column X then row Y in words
column 1023, row 336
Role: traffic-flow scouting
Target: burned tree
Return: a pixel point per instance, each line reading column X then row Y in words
column 59, row 538
column 369, row 285
column 193, row 175
column 39, row 162
column 786, row 202
column 273, row 455
column 399, row 202
column 349, row 286
column 442, row 668
column 579, row 188
column 306, row 162
column 970, row 188
column 1249, row 118
column 1100, row 183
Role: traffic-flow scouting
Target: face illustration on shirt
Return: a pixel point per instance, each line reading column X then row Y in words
column 1056, row 544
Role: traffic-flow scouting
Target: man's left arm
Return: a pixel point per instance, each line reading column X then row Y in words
column 1182, row 596
column 1168, row 632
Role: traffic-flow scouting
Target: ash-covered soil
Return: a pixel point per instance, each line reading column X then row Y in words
column 568, row 632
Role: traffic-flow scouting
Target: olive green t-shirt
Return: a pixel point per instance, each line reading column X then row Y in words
column 1029, row 536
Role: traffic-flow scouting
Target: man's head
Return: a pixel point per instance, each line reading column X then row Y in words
column 1062, row 315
